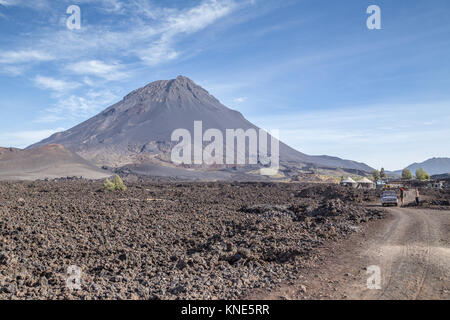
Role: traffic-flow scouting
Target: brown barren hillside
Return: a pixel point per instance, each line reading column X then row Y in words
column 50, row 161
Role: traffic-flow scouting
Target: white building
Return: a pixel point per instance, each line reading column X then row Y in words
column 365, row 183
column 349, row 182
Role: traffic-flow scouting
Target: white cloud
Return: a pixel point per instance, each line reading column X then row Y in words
column 159, row 52
column 9, row 2
column 110, row 6
column 240, row 99
column 186, row 22
column 77, row 106
column 55, row 84
column 12, row 70
column 99, row 69
column 145, row 35
column 14, row 63
column 35, row 4
column 22, row 139
column 147, row 32
column 23, row 56
column 199, row 17
column 88, row 81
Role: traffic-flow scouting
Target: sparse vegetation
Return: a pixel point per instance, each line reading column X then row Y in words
column 422, row 175
column 115, row 185
column 376, row 175
column 383, row 174
column 108, row 185
column 406, row 174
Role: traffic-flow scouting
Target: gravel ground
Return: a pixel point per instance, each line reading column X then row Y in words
column 167, row 240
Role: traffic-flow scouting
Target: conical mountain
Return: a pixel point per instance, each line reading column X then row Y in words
column 139, row 128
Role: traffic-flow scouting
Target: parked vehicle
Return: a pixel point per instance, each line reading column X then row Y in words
column 389, row 198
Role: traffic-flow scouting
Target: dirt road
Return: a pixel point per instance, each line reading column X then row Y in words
column 411, row 249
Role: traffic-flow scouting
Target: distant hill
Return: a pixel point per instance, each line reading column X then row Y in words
column 445, row 176
column 50, row 161
column 137, row 130
column 432, row 166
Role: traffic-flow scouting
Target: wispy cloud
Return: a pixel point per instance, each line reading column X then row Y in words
column 146, row 32
column 109, row 6
column 24, row 56
column 55, row 84
column 15, row 63
column 99, row 69
column 146, row 35
column 185, row 22
column 9, row 2
column 12, row 70
column 74, row 106
column 240, row 99
column 35, row 4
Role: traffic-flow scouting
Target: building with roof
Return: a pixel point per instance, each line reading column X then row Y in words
column 349, row 182
column 365, row 183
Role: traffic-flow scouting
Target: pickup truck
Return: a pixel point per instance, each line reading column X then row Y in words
column 388, row 198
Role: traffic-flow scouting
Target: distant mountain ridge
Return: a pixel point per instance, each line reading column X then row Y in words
column 138, row 129
column 433, row 166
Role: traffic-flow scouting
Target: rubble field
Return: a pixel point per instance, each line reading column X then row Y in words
column 167, row 240
column 435, row 199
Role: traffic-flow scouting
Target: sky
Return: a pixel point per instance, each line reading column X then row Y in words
column 309, row 68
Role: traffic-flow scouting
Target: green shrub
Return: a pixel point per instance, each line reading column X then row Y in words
column 115, row 185
column 422, row 175
column 376, row 175
column 406, row 174
column 118, row 183
column 108, row 185
column 383, row 174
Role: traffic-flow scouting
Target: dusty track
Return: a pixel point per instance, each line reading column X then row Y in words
column 412, row 249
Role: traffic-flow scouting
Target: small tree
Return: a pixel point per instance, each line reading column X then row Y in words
column 422, row 175
column 376, row 175
column 406, row 174
column 108, row 185
column 116, row 184
column 383, row 174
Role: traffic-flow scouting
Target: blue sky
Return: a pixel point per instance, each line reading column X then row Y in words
column 310, row 68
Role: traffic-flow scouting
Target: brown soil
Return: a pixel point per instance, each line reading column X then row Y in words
column 48, row 161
